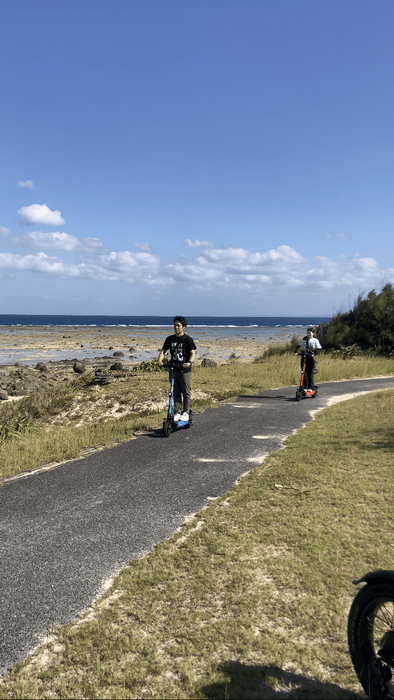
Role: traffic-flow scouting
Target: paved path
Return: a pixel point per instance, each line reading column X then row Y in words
column 64, row 532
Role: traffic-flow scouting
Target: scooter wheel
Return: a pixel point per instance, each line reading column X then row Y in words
column 298, row 395
column 166, row 428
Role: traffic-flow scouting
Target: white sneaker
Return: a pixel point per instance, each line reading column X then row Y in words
column 185, row 416
column 177, row 417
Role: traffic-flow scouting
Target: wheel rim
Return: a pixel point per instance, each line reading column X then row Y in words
column 378, row 632
column 381, row 625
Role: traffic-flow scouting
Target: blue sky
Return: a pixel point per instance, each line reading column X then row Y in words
column 221, row 157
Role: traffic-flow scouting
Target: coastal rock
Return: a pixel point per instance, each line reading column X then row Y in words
column 117, row 366
column 118, row 353
column 207, row 362
column 79, row 367
column 3, row 395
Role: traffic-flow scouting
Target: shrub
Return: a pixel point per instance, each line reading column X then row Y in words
column 368, row 326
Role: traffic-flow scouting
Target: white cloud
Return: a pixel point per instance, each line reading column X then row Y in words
column 40, row 214
column 235, row 272
column 91, row 244
column 26, row 183
column 196, row 243
column 49, row 241
column 5, row 232
column 58, row 241
column 237, row 269
column 37, row 263
column 143, row 246
column 130, row 267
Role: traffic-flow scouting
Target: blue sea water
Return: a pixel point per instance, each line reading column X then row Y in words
column 157, row 321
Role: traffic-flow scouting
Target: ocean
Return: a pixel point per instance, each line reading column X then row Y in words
column 157, row 321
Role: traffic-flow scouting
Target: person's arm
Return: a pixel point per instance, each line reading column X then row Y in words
column 166, row 346
column 318, row 348
column 192, row 357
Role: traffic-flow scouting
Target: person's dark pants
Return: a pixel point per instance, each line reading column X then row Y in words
column 310, row 366
column 182, row 388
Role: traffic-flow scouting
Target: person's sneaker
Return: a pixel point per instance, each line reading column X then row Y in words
column 185, row 416
column 177, row 417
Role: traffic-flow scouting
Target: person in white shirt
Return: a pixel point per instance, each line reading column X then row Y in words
column 310, row 347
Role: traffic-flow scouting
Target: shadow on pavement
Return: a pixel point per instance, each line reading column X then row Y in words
column 256, row 682
column 277, row 397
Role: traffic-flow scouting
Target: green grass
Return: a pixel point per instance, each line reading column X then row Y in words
column 250, row 599
column 32, row 434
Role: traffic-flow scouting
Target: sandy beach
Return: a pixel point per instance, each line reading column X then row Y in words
column 31, row 344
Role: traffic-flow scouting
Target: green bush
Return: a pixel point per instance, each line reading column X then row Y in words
column 369, row 326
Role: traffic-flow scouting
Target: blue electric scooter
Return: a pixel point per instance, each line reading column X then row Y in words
column 169, row 424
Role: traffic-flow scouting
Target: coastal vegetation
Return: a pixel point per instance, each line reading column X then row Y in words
column 250, row 598
column 368, row 327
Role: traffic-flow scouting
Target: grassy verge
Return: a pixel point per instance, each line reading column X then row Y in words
column 251, row 598
column 50, row 427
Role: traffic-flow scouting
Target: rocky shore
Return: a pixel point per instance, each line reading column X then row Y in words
column 18, row 380
column 39, row 357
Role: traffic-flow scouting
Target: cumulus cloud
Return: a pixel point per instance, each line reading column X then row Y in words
column 237, row 269
column 40, row 214
column 26, row 183
column 49, row 241
column 58, row 241
column 196, row 243
column 143, row 246
column 89, row 243
column 40, row 262
column 5, row 232
column 130, row 267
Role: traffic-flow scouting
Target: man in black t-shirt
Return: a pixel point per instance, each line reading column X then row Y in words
column 183, row 353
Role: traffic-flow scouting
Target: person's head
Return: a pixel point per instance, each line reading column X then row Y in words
column 180, row 324
column 310, row 332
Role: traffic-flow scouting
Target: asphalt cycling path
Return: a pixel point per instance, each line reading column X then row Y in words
column 65, row 532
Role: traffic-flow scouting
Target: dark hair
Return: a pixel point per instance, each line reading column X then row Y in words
column 180, row 319
column 313, row 330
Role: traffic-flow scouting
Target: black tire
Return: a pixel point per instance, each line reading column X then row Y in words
column 166, row 428
column 371, row 625
column 298, row 395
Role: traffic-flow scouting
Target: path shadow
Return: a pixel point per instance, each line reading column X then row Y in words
column 155, row 433
column 246, row 682
column 277, row 397
column 158, row 433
